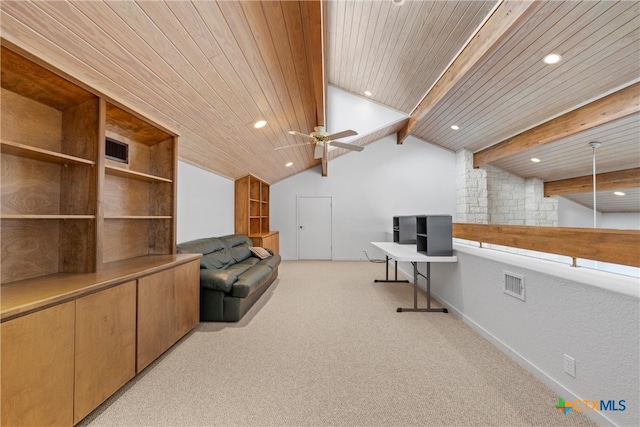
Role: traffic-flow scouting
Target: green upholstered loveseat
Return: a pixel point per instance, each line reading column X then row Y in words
column 232, row 278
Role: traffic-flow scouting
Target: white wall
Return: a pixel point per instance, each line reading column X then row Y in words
column 348, row 111
column 622, row 221
column 571, row 214
column 205, row 204
column 368, row 189
column 589, row 315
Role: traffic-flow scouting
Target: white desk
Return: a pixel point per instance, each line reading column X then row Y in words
column 409, row 253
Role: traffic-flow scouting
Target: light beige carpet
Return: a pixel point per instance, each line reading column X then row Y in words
column 325, row 346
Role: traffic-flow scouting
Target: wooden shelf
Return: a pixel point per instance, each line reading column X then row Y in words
column 126, row 173
column 138, row 217
column 34, row 153
column 23, row 216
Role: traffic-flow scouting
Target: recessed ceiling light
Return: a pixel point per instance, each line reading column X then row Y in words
column 618, row 193
column 367, row 92
column 259, row 124
column 535, row 160
column 455, row 127
column 289, row 164
column 552, row 58
column 397, row 2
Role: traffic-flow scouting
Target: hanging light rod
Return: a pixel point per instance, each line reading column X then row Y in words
column 594, row 145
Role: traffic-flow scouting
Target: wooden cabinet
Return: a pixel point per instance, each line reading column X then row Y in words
column 69, row 341
column 79, row 232
column 271, row 240
column 252, row 211
column 37, row 368
column 105, row 346
column 167, row 309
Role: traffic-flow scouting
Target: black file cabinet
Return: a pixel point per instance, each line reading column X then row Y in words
column 433, row 235
column 404, row 229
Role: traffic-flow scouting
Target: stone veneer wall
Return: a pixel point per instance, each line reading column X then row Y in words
column 471, row 191
column 490, row 195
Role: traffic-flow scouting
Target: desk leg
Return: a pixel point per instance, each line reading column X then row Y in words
column 415, row 293
column 386, row 279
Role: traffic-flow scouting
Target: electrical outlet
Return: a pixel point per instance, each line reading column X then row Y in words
column 570, row 365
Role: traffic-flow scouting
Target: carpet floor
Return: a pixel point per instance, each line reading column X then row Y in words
column 324, row 346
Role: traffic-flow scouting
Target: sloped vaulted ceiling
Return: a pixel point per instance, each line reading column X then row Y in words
column 209, row 69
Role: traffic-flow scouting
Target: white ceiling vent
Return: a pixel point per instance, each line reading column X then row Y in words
column 513, row 285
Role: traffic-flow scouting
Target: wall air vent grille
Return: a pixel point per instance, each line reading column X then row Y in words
column 116, row 150
column 513, row 285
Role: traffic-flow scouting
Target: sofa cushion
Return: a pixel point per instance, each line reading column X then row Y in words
column 219, row 259
column 272, row 262
column 214, row 250
column 217, row 280
column 201, row 246
column 250, row 281
column 238, row 245
column 249, row 262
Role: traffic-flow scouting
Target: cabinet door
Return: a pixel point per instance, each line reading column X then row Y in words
column 37, row 367
column 272, row 241
column 168, row 308
column 187, row 297
column 105, row 345
column 155, row 316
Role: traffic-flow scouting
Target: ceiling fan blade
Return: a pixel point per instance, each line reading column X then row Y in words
column 346, row 146
column 292, row 145
column 318, row 152
column 304, row 135
column 342, row 134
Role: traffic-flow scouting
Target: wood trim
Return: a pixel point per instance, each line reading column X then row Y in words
column 604, row 110
column 607, row 245
column 317, row 25
column 508, row 14
column 628, row 178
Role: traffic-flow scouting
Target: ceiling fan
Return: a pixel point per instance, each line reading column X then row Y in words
column 322, row 140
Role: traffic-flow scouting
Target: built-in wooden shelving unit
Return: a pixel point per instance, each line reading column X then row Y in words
column 252, row 212
column 91, row 288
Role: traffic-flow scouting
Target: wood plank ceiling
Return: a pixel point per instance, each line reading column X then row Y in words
column 209, row 69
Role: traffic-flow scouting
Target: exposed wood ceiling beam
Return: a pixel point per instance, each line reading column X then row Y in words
column 607, row 109
column 506, row 15
column 627, row 178
column 318, row 54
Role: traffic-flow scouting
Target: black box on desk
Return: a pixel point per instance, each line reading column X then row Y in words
column 433, row 235
column 404, row 229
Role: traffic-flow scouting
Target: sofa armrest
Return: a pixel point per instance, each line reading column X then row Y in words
column 217, row 280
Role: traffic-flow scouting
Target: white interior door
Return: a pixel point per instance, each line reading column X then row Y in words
column 314, row 227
